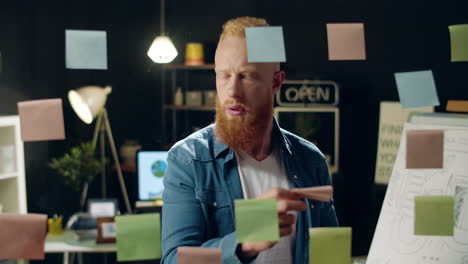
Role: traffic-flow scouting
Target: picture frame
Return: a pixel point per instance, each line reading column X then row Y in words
column 107, row 231
column 103, row 207
column 319, row 125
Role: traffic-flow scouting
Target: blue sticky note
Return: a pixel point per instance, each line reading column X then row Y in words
column 265, row 44
column 86, row 49
column 416, row 89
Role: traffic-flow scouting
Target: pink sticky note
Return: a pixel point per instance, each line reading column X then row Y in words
column 41, row 120
column 319, row 193
column 22, row 236
column 424, row 149
column 346, row 41
column 198, row 255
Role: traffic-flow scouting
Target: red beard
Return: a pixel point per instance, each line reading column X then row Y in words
column 242, row 132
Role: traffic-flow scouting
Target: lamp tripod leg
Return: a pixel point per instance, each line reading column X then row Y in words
column 99, row 132
column 84, row 193
column 116, row 160
column 103, row 162
column 97, row 129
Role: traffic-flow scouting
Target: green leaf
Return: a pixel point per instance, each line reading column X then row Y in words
column 78, row 166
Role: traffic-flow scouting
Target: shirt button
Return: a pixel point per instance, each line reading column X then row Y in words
column 295, row 176
column 312, row 206
column 215, row 204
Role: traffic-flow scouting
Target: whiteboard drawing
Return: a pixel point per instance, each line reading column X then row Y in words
column 394, row 240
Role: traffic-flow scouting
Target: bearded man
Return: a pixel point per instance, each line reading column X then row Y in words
column 244, row 155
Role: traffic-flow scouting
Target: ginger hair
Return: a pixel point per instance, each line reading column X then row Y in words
column 236, row 26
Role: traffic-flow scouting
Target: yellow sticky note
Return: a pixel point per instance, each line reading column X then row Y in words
column 459, row 42
column 138, row 237
column 457, row 106
column 330, row 245
column 256, row 220
column 434, row 215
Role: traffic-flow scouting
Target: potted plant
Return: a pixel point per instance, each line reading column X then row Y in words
column 78, row 167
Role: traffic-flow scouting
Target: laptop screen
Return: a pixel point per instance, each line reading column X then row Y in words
column 151, row 166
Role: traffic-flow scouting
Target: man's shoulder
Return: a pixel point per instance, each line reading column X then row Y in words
column 199, row 145
column 303, row 147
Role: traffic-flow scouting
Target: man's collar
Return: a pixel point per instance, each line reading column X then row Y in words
column 280, row 137
column 219, row 147
column 277, row 136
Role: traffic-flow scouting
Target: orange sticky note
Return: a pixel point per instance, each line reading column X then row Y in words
column 198, row 255
column 457, row 106
column 424, row 149
column 41, row 120
column 22, row 236
column 346, row 41
column 319, row 193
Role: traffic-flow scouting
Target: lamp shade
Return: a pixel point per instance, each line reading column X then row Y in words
column 162, row 50
column 88, row 101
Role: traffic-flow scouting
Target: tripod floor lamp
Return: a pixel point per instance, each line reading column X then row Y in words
column 88, row 102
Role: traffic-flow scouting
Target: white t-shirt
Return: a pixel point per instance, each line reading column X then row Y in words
column 257, row 177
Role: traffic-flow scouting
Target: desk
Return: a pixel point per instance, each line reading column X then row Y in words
column 67, row 243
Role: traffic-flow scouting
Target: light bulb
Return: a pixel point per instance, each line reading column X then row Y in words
column 162, row 50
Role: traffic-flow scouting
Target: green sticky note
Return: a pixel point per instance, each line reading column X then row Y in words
column 330, row 245
column 434, row 215
column 256, row 220
column 459, row 42
column 138, row 237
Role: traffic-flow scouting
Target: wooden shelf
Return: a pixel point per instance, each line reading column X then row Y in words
column 8, row 175
column 190, row 108
column 189, row 67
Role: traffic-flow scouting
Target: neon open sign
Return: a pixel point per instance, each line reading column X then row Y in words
column 307, row 93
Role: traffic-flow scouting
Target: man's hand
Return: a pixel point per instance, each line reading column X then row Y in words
column 286, row 200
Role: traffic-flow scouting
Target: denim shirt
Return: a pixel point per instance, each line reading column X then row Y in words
column 202, row 182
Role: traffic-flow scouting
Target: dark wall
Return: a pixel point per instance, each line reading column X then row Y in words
column 400, row 36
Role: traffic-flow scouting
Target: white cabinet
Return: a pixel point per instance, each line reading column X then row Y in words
column 12, row 170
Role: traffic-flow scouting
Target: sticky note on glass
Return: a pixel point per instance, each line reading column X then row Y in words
column 256, row 220
column 346, row 41
column 330, row 245
column 22, row 236
column 41, row 120
column 138, row 237
column 424, row 149
column 265, row 44
column 457, row 106
column 416, row 89
column 198, row 255
column 459, row 42
column 434, row 215
column 319, row 193
column 86, row 49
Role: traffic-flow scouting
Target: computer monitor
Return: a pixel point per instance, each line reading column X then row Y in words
column 151, row 166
